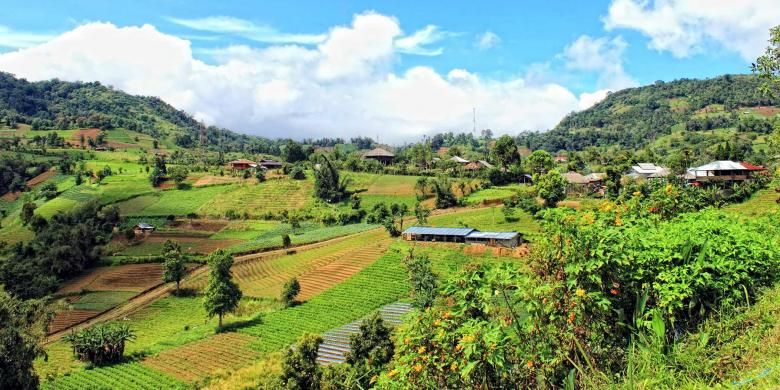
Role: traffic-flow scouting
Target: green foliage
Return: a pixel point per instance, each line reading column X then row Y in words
column 290, row 291
column 506, row 151
column 286, row 242
column 539, row 162
column 121, row 376
column 297, row 172
column 442, row 190
column 221, row 294
column 24, row 324
column 422, row 279
column 551, row 187
column 327, row 184
column 179, row 175
column 300, row 370
column 260, row 175
column 101, row 344
column 293, row 152
column 174, row 267
column 421, row 213
column 28, row 210
column 66, row 245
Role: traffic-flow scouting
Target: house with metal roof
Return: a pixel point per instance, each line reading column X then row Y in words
column 648, row 171
column 459, row 160
column 461, row 235
column 142, row 228
column 381, row 155
column 719, row 171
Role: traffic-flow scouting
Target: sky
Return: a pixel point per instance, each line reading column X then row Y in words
column 391, row 70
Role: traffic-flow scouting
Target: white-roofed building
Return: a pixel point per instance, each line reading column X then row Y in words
column 719, row 171
column 648, row 171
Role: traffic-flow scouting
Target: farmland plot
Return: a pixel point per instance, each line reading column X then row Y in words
column 199, row 359
column 131, row 277
column 258, row 199
column 131, row 376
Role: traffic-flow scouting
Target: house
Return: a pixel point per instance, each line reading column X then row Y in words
column 753, row 168
column 526, row 179
column 270, row 164
column 648, row 171
column 459, row 160
column 575, row 178
column 461, row 235
column 477, row 165
column 718, row 171
column 241, row 164
column 381, row 155
column 596, row 178
column 142, row 229
column 560, row 159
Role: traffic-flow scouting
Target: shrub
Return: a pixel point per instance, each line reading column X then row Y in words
column 102, row 343
column 290, row 291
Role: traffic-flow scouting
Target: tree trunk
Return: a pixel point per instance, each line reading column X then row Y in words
column 177, row 287
column 220, row 320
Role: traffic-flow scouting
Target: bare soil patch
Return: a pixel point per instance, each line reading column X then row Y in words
column 192, row 243
column 66, row 319
column 75, row 139
column 200, row 225
column 212, row 180
column 130, row 277
column 32, row 183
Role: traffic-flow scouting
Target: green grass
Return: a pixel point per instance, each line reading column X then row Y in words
column 273, row 238
column 121, row 376
column 183, row 202
column 367, row 201
column 246, row 230
column 492, row 193
column 258, row 199
column 762, row 202
column 102, row 300
column 136, row 205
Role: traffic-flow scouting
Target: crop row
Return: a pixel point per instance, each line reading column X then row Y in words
column 380, row 283
column 268, row 241
column 131, row 376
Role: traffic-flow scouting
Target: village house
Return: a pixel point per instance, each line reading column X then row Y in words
column 462, row 235
column 270, row 164
column 241, row 164
column 477, row 165
column 560, row 159
column 142, row 229
column 723, row 171
column 459, row 160
column 383, row 156
column 647, row 171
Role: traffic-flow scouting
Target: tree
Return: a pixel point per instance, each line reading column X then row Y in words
column 300, row 370
column 260, row 175
column 394, row 221
column 442, row 189
column 506, row 151
column 421, row 213
column 222, row 294
column 551, row 187
column 422, row 187
column 101, row 344
column 174, row 267
column 539, row 162
column 179, row 175
column 79, row 178
column 23, row 331
column 328, row 186
column 290, row 291
column 293, row 152
column 156, row 177
column 286, row 242
column 28, row 210
column 422, row 279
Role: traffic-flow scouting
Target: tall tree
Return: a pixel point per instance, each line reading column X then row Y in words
column 222, row 293
column 506, row 151
column 328, row 185
column 539, row 162
column 551, row 187
column 174, row 267
column 300, row 370
column 23, row 329
column 422, row 279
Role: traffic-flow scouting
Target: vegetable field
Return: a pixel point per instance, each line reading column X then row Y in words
column 132, row 376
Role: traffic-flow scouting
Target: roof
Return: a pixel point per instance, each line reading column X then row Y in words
column 493, row 235
column 439, row 231
column 459, row 159
column 648, row 169
column 561, row 158
column 596, row 176
column 143, row 225
column 378, row 152
column 485, row 164
column 242, row 161
column 575, row 178
column 479, row 164
column 723, row 165
column 751, row 167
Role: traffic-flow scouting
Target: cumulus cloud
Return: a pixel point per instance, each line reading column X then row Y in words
column 487, row 40
column 686, row 27
column 343, row 86
column 602, row 55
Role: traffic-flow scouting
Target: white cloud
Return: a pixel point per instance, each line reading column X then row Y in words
column 487, row 40
column 18, row 39
column 246, row 29
column 686, row 27
column 344, row 86
column 602, row 55
column 415, row 43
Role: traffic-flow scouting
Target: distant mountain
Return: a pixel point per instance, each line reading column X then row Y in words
column 635, row 117
column 59, row 104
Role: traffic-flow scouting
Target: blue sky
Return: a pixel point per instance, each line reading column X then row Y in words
column 525, row 51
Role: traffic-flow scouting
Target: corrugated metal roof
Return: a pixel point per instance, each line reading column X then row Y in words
column 493, row 235
column 378, row 152
column 721, row 166
column 459, row 159
column 143, row 225
column 439, row 231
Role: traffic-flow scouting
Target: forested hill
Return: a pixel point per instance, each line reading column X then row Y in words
column 59, row 104
column 634, row 117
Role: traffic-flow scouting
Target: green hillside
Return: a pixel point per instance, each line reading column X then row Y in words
column 62, row 105
column 676, row 114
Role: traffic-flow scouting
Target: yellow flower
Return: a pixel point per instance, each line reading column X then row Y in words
column 637, row 193
column 373, row 379
column 418, row 367
column 407, row 341
column 437, row 323
column 458, row 348
column 669, row 188
column 618, row 221
column 421, row 350
column 392, row 373
column 530, row 364
column 468, row 338
column 580, row 292
column 453, row 366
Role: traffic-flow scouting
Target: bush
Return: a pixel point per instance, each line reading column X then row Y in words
column 290, row 291
column 102, row 343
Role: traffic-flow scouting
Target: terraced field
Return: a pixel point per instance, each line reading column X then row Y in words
column 335, row 342
column 66, row 319
column 131, row 376
column 199, row 359
column 257, row 199
column 761, row 203
column 131, row 277
column 264, row 277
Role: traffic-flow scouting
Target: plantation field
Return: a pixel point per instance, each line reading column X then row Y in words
column 257, row 199
column 101, row 300
column 264, row 277
column 491, row 194
column 248, row 230
column 135, row 205
column 383, row 188
column 121, row 376
column 190, row 243
column 307, row 234
column 67, row 318
column 183, row 202
column 761, row 203
column 131, row 277
column 199, row 359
